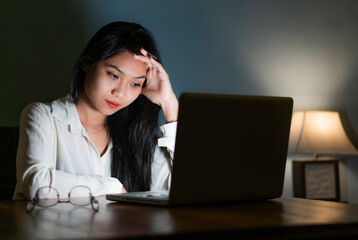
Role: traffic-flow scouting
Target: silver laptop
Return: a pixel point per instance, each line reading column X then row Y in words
column 228, row 148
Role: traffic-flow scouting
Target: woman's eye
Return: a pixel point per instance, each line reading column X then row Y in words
column 136, row 85
column 112, row 75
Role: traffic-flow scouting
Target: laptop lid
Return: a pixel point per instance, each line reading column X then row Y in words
column 230, row 148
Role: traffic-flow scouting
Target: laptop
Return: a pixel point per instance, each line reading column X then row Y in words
column 228, row 148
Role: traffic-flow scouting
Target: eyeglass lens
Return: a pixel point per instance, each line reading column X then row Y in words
column 80, row 196
column 46, row 197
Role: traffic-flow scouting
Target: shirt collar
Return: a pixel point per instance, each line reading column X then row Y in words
column 64, row 110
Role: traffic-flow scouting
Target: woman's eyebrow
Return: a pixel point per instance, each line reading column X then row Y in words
column 119, row 70
column 115, row 67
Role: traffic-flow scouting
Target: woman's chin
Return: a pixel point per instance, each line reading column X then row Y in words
column 109, row 112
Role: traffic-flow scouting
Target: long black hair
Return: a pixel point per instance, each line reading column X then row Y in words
column 133, row 129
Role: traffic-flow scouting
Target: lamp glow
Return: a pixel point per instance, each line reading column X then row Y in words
column 319, row 132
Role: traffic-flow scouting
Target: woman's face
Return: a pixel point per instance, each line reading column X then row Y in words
column 114, row 83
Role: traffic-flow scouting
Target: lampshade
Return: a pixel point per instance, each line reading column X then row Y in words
column 319, row 132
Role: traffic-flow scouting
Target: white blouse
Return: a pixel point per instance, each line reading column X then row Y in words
column 55, row 150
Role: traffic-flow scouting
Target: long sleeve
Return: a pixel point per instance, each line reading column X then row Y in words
column 163, row 158
column 40, row 156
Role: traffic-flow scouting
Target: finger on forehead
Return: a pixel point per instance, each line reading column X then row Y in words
column 157, row 65
column 146, row 53
column 143, row 51
column 152, row 56
column 142, row 58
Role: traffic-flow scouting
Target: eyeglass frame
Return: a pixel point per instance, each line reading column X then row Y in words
column 93, row 201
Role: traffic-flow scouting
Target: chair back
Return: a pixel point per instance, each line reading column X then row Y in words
column 9, row 138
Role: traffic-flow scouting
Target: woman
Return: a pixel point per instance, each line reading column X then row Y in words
column 103, row 134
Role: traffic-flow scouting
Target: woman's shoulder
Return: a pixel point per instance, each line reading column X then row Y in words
column 36, row 108
column 35, row 114
column 40, row 109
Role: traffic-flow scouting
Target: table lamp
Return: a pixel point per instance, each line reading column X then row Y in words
column 318, row 133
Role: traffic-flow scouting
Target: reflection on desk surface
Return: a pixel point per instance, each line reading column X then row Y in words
column 250, row 220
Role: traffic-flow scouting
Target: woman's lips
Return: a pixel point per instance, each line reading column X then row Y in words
column 112, row 104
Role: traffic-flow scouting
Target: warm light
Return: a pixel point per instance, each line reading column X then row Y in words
column 319, row 132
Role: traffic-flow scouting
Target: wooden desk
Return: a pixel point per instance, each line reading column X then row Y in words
column 283, row 218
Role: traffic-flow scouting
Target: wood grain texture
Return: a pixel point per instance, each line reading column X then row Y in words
column 283, row 218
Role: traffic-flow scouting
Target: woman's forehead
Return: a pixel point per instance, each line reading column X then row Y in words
column 125, row 63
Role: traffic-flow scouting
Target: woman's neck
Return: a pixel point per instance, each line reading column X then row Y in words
column 90, row 118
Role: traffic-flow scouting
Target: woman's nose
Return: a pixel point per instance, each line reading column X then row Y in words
column 119, row 91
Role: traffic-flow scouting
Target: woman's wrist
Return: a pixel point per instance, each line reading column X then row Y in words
column 171, row 109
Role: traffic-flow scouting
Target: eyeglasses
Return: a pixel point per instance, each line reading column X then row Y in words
column 49, row 196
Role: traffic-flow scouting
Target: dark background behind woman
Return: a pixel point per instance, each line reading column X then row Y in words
column 304, row 49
